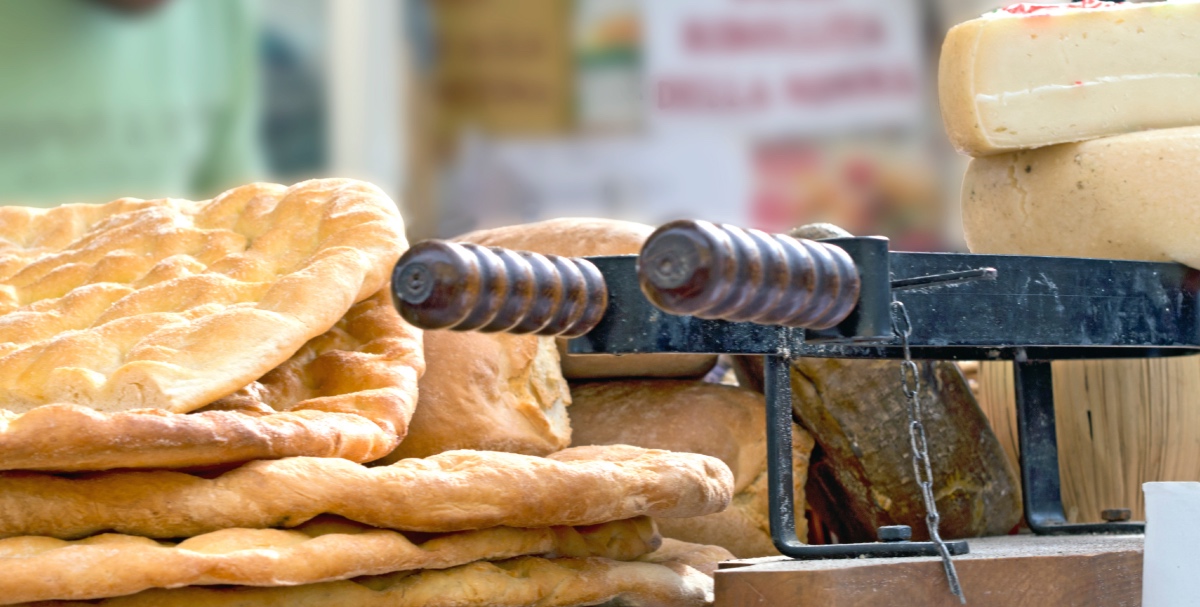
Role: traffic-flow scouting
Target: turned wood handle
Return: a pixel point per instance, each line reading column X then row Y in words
column 697, row 268
column 467, row 287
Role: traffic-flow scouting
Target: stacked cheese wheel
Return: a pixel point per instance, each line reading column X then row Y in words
column 1082, row 121
column 219, row 374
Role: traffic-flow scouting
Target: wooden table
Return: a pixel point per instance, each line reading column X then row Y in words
column 1010, row 571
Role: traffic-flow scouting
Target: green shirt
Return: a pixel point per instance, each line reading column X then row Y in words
column 96, row 104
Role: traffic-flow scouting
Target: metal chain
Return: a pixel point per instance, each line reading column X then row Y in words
column 910, row 380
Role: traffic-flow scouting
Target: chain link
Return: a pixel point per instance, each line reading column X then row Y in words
column 910, row 381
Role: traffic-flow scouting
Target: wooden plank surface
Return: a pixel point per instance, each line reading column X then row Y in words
column 1010, row 571
column 1121, row 423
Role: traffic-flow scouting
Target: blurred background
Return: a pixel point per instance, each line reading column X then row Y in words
column 478, row 113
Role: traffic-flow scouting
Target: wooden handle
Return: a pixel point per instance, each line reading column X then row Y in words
column 467, row 287
column 723, row 272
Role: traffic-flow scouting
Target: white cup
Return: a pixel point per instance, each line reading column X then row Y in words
column 1171, row 570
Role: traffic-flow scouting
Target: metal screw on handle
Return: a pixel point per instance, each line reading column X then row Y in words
column 467, row 287
column 697, row 268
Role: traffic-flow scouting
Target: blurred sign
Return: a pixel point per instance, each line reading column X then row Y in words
column 502, row 66
column 637, row 178
column 783, row 67
column 868, row 187
column 608, row 63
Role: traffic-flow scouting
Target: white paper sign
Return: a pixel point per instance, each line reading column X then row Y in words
column 646, row 179
column 783, row 67
column 1171, row 569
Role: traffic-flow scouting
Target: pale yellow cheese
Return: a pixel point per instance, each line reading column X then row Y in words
column 1133, row 196
column 1017, row 81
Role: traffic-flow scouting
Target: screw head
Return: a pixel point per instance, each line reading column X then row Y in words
column 1116, row 515
column 895, row 533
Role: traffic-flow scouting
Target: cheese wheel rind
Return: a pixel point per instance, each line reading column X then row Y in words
column 1126, row 197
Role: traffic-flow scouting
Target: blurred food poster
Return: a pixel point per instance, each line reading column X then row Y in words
column 502, row 66
column 764, row 113
column 783, row 67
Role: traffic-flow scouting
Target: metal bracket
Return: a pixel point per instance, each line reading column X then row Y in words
column 777, row 380
column 1041, row 488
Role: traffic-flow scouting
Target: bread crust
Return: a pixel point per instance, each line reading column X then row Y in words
column 489, row 392
column 172, row 304
column 451, row 491
column 583, row 237
column 110, row 565
column 347, row 393
column 690, row 416
column 518, row 582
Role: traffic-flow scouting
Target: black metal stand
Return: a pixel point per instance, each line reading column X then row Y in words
column 1042, row 308
column 960, row 307
column 777, row 379
column 1042, row 491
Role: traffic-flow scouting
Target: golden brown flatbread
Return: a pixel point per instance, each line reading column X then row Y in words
column 347, row 393
column 452, row 491
column 110, row 565
column 172, row 304
column 697, row 417
column 489, row 392
column 700, row 557
column 518, row 582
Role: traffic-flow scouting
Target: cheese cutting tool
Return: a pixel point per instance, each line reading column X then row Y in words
column 698, row 287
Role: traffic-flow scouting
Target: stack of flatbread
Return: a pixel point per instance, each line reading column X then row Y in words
column 190, row 391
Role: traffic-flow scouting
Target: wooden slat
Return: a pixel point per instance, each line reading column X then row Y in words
column 1121, row 423
column 1012, row 571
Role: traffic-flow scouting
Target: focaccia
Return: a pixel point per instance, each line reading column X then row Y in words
column 347, row 393
column 111, row 565
column 451, row 491
column 519, row 582
column 489, row 392
column 686, row 415
column 172, row 304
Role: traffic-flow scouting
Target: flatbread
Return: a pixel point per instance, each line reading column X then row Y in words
column 700, row 557
column 109, row 565
column 452, row 491
column 347, row 393
column 489, row 392
column 697, row 417
column 519, row 582
column 172, row 304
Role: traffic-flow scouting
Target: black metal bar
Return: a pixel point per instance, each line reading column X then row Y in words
column 1050, row 307
column 948, row 278
column 781, row 505
column 1038, row 440
column 777, row 383
column 871, row 320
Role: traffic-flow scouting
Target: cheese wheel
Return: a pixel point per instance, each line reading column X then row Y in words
column 1030, row 76
column 1126, row 197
